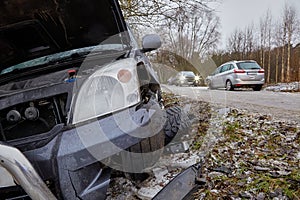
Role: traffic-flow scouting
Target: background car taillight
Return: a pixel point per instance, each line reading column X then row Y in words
column 261, row 71
column 239, row 71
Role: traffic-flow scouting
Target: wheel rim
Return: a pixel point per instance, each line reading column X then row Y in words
column 228, row 85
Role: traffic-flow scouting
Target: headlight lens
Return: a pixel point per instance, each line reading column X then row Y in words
column 109, row 89
column 197, row 78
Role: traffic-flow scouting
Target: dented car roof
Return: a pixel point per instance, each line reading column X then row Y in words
column 32, row 28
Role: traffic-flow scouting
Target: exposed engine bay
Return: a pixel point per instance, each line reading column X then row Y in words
column 40, row 101
column 34, row 106
column 33, row 117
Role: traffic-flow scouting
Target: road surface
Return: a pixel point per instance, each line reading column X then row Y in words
column 280, row 105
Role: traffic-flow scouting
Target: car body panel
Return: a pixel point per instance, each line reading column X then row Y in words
column 64, row 46
column 32, row 28
column 68, row 152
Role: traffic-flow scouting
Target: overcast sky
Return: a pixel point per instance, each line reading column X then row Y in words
column 240, row 13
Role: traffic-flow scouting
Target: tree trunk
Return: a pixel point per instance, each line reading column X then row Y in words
column 288, row 74
column 282, row 64
column 269, row 66
column 299, row 71
column 277, row 66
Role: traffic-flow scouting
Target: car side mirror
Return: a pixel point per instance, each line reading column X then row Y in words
column 151, row 42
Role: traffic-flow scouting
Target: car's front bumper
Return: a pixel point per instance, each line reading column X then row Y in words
column 186, row 82
column 23, row 172
column 71, row 161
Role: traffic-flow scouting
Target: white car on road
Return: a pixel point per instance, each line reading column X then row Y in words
column 237, row 74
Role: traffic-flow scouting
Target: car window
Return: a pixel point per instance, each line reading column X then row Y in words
column 224, row 68
column 248, row 65
column 188, row 73
column 217, row 71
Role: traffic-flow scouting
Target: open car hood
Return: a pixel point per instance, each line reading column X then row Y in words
column 33, row 28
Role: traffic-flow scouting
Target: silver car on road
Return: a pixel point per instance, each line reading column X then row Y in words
column 237, row 74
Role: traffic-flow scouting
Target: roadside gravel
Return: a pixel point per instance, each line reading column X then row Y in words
column 254, row 157
column 245, row 155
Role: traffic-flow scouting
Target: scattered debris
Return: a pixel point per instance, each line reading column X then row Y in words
column 261, row 153
column 244, row 155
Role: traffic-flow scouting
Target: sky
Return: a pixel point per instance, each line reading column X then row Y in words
column 241, row 13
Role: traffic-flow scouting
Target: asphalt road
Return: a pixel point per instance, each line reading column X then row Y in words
column 282, row 106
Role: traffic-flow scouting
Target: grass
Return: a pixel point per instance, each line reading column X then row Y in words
column 247, row 141
column 197, row 145
column 265, row 183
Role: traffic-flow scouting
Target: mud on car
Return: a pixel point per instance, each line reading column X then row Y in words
column 78, row 98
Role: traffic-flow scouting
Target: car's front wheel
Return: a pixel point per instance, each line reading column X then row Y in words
column 146, row 153
column 229, row 86
column 209, row 84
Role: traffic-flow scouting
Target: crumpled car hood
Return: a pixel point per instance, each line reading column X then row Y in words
column 35, row 28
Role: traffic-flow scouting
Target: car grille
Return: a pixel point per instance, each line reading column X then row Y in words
column 189, row 79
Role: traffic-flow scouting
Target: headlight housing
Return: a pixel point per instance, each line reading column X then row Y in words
column 109, row 89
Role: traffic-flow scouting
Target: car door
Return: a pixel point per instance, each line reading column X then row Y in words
column 225, row 74
column 213, row 78
column 220, row 76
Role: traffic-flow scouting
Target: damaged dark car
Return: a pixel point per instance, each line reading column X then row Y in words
column 78, row 99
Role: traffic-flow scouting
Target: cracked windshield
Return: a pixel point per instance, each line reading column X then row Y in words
column 150, row 99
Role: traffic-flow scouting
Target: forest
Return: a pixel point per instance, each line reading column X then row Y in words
column 191, row 35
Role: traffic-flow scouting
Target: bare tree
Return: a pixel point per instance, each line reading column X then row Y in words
column 188, row 27
column 290, row 24
column 265, row 39
column 193, row 31
column 235, row 44
column 283, row 42
column 277, row 35
column 269, row 43
column 241, row 43
column 249, row 41
column 276, row 46
column 147, row 12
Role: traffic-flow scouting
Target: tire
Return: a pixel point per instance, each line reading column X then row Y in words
column 229, row 86
column 177, row 122
column 210, row 86
column 148, row 152
column 139, row 162
column 257, row 88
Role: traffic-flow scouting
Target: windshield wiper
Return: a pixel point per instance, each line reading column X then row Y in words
column 52, row 63
column 90, row 52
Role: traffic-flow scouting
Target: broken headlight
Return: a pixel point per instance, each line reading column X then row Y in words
column 109, row 89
